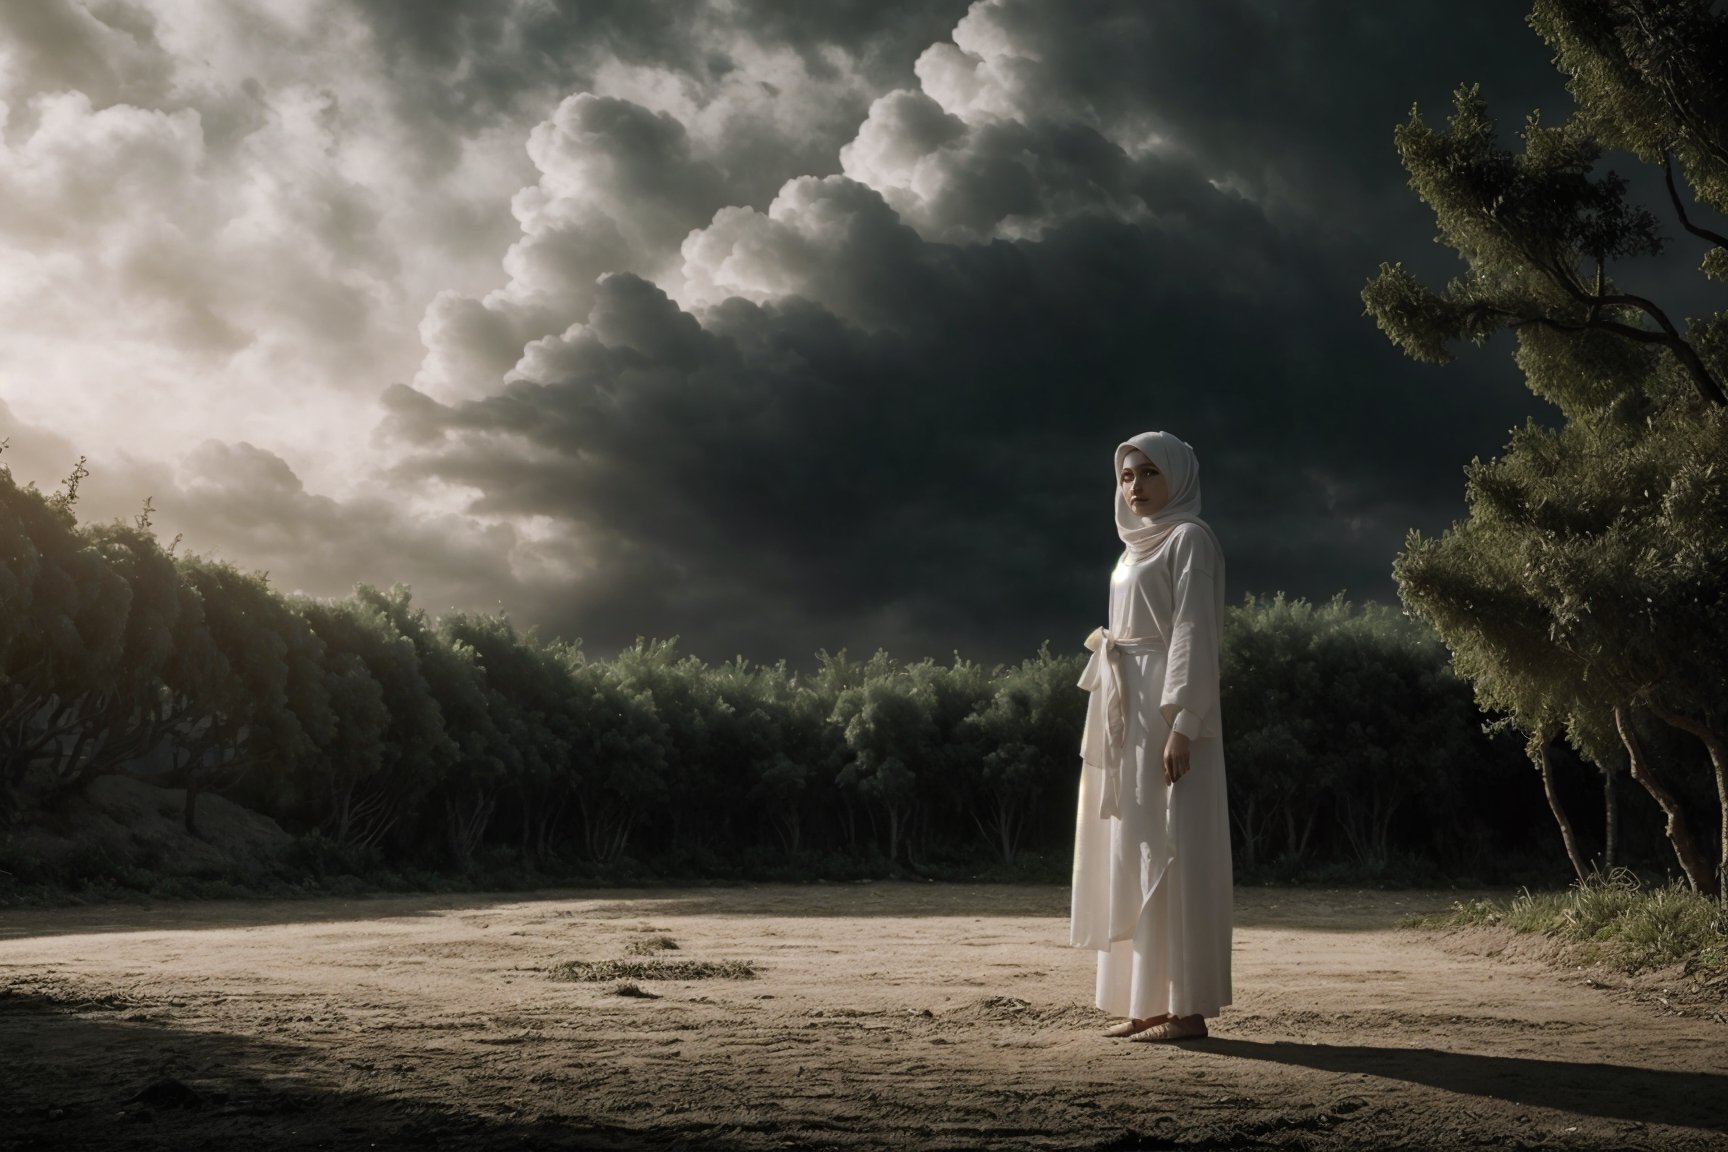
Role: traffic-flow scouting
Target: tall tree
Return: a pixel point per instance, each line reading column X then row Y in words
column 887, row 723
column 262, row 700
column 65, row 651
column 1585, row 590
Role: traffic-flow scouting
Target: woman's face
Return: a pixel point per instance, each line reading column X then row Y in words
column 1145, row 488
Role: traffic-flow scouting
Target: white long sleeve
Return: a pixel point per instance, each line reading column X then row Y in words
column 1191, row 674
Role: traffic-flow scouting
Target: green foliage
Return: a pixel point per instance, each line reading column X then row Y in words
column 399, row 749
column 1611, row 917
column 630, row 744
column 1340, row 708
column 1535, row 229
column 1649, row 77
column 1583, row 597
column 1016, row 740
column 889, row 730
column 392, row 743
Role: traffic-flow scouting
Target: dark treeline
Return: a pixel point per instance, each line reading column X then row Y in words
column 383, row 737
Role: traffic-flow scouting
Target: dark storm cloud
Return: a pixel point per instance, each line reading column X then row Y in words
column 476, row 56
column 474, row 62
column 1296, row 96
column 240, row 210
column 816, row 324
column 885, row 410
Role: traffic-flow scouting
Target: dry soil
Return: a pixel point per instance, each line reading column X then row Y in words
column 880, row 1015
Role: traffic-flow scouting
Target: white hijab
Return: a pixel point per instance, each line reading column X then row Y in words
column 1181, row 468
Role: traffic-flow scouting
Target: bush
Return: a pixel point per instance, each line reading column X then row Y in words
column 321, row 858
column 1612, row 918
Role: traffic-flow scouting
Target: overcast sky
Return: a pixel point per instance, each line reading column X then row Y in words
column 776, row 325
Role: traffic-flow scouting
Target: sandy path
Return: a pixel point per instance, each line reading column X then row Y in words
column 883, row 1015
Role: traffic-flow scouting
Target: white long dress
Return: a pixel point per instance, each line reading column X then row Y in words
column 1152, row 879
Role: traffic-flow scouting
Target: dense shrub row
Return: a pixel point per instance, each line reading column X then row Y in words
column 378, row 732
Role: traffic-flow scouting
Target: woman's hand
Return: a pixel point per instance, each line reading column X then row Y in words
column 1175, row 757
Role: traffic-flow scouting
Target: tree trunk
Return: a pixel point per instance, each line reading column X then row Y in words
column 1610, row 822
column 1539, row 754
column 1296, row 841
column 1713, row 743
column 540, row 817
column 1692, row 861
column 789, row 827
column 453, row 833
column 466, row 826
column 1383, row 832
column 526, row 846
column 1249, row 858
column 1005, row 825
column 189, row 814
column 549, row 827
column 605, row 828
column 344, row 805
column 1366, row 816
column 371, row 818
column 1292, row 843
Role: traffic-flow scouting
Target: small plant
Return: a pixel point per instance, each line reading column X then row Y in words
column 631, row 988
column 1611, row 917
column 651, row 945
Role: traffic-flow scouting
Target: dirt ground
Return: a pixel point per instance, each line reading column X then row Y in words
column 881, row 1015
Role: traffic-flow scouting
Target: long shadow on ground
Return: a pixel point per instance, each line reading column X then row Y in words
column 99, row 1074
column 1612, row 1091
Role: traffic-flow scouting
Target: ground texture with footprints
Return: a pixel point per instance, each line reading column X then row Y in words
column 817, row 1016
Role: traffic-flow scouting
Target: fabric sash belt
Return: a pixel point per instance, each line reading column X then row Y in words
column 1103, row 679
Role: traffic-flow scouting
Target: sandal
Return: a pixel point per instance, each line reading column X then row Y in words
column 1129, row 1027
column 1168, row 1031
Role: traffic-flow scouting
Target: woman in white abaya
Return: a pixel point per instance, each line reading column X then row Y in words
column 1152, row 837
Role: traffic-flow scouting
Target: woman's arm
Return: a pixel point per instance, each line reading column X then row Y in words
column 1191, row 668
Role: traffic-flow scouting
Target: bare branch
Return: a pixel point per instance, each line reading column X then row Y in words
column 1707, row 385
column 1702, row 233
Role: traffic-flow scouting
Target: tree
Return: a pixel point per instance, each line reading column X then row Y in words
column 781, row 736
column 260, row 699
column 528, row 690
column 887, row 725
column 1585, row 589
column 1651, row 77
column 1337, row 709
column 1538, row 233
column 1269, row 688
column 703, row 777
column 66, row 646
column 1398, row 722
column 161, row 672
column 620, row 743
column 1017, row 742
column 388, row 747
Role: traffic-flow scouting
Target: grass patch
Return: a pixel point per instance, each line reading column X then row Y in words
column 594, row 970
column 651, row 945
column 1613, row 919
